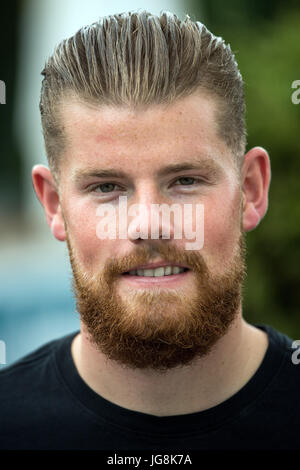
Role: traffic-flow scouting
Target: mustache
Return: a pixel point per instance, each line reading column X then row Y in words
column 147, row 252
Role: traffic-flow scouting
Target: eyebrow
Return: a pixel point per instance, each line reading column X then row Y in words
column 211, row 167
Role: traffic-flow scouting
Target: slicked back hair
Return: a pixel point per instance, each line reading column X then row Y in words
column 137, row 59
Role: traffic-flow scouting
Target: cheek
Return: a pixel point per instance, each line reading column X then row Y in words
column 221, row 230
column 82, row 230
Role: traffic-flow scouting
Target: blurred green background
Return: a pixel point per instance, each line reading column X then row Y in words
column 265, row 37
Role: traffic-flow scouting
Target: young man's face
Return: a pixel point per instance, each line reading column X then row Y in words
column 131, row 319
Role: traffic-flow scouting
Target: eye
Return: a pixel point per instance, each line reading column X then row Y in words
column 107, row 187
column 188, row 181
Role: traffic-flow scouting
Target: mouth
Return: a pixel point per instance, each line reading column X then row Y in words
column 161, row 271
column 167, row 276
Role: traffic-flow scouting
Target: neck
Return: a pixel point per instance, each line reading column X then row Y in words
column 206, row 383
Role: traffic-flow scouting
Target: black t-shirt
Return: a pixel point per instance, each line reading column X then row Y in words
column 44, row 404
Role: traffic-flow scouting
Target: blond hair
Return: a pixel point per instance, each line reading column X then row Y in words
column 138, row 59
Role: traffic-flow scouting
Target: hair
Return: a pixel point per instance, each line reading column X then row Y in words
column 138, row 59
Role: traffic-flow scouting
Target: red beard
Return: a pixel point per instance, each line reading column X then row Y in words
column 161, row 328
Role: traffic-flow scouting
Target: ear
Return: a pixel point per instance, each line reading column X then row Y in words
column 256, row 177
column 45, row 188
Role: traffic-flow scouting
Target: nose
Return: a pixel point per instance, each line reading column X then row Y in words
column 150, row 218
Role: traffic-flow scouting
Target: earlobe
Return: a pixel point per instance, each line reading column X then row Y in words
column 57, row 228
column 251, row 217
column 256, row 181
column 48, row 196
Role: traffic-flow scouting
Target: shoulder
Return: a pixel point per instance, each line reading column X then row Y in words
column 31, row 371
column 32, row 396
column 277, row 339
column 283, row 357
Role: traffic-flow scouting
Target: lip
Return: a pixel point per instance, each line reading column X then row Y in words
column 158, row 281
column 158, row 265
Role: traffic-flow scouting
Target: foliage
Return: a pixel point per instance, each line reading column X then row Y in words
column 267, row 49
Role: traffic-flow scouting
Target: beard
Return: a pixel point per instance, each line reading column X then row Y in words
column 158, row 328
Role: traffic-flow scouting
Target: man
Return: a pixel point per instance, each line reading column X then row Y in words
column 151, row 109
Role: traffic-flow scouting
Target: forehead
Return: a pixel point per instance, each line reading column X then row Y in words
column 149, row 134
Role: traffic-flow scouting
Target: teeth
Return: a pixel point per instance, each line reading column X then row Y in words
column 145, row 272
column 159, row 272
column 168, row 270
column 162, row 271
